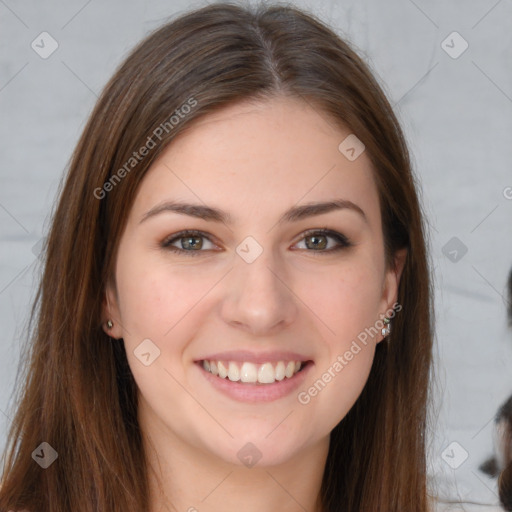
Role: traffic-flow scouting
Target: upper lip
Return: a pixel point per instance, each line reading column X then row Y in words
column 255, row 357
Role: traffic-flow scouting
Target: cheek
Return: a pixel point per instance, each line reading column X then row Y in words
column 161, row 304
column 345, row 300
column 342, row 372
column 341, row 384
column 156, row 297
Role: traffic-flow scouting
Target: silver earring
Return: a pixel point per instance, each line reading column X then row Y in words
column 110, row 324
column 387, row 327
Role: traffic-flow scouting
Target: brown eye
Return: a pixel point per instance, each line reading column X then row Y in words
column 189, row 242
column 319, row 241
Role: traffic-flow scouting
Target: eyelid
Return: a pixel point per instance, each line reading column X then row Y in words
column 342, row 240
column 166, row 243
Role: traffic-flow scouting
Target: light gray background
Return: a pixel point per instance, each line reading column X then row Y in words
column 457, row 115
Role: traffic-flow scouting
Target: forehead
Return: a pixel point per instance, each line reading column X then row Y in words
column 277, row 153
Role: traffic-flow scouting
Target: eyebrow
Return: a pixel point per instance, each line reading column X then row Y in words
column 294, row 214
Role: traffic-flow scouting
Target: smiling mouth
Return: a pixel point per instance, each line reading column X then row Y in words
column 251, row 373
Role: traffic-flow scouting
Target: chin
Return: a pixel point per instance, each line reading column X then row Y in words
column 258, row 451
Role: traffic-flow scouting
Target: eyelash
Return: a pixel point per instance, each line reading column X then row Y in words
column 341, row 239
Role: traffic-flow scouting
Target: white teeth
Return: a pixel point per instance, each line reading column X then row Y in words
column 266, row 373
column 249, row 373
column 233, row 372
column 290, row 368
column 223, row 371
column 280, row 371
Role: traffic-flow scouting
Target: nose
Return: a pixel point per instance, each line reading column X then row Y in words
column 259, row 297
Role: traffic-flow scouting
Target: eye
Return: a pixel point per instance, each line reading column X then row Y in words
column 318, row 241
column 190, row 242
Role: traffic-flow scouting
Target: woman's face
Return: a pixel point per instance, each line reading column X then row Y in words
column 257, row 288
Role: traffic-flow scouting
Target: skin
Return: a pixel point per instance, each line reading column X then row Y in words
column 253, row 160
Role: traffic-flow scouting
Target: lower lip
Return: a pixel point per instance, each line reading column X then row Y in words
column 249, row 392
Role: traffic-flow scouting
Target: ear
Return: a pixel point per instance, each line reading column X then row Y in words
column 110, row 311
column 392, row 281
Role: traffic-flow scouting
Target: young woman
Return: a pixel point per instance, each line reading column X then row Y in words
column 235, row 311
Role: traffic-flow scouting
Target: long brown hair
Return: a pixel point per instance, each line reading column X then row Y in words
column 79, row 395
